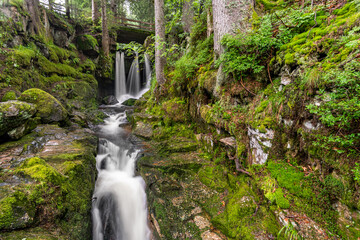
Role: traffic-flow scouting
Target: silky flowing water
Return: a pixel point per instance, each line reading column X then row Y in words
column 119, row 201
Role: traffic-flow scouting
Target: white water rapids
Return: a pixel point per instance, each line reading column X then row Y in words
column 119, row 201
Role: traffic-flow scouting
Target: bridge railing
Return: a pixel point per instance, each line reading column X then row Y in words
column 126, row 22
column 75, row 12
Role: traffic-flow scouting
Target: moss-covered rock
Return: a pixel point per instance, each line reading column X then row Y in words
column 88, row 44
column 13, row 114
column 49, row 109
column 53, row 189
column 9, row 95
column 176, row 109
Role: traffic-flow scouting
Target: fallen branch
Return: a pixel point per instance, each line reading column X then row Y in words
column 268, row 69
column 283, row 22
column 238, row 165
column 242, row 84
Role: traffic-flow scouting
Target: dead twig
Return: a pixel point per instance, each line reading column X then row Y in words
column 242, row 84
column 283, row 22
column 268, row 69
column 238, row 165
column 316, row 23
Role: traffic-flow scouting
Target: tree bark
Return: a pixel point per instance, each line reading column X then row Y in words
column 33, row 8
column 67, row 7
column 95, row 11
column 187, row 15
column 229, row 17
column 209, row 20
column 105, row 32
column 159, row 41
column 51, row 5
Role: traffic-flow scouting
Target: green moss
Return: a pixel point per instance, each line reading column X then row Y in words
column 48, row 107
column 39, row 170
column 9, row 95
column 48, row 67
column 86, row 42
column 12, row 208
column 88, row 66
column 289, row 178
column 23, row 56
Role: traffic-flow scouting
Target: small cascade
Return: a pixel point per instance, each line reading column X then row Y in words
column 134, row 77
column 120, row 79
column 119, row 202
column 147, row 72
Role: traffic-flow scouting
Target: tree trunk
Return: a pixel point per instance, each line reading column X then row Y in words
column 33, row 8
column 51, row 5
column 95, row 11
column 105, row 32
column 159, row 41
column 188, row 15
column 209, row 21
column 230, row 17
column 67, row 6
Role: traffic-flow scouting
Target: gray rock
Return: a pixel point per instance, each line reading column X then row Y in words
column 258, row 144
column 143, row 130
column 13, row 114
column 229, row 142
column 61, row 38
column 110, row 100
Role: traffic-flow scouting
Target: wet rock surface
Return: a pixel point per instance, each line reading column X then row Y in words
column 47, row 180
column 13, row 114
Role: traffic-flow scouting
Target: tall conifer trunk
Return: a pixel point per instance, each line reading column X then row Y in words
column 95, row 11
column 105, row 32
column 159, row 41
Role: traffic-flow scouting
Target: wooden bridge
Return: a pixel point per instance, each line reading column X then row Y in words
column 72, row 11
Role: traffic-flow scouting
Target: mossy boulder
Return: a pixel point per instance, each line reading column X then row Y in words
column 9, row 95
column 15, row 211
column 88, row 45
column 130, row 102
column 49, row 109
column 13, row 114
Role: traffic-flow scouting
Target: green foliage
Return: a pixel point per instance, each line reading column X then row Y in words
column 334, row 187
column 356, row 172
column 188, row 64
column 130, row 48
column 340, row 108
column 290, row 232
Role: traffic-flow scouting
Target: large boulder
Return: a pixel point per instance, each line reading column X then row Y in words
column 13, row 114
column 49, row 109
column 88, row 45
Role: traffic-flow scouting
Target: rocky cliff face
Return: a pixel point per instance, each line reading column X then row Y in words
column 48, row 104
column 275, row 151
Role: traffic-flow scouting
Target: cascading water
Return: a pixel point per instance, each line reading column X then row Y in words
column 119, row 201
column 147, row 71
column 120, row 79
column 134, row 77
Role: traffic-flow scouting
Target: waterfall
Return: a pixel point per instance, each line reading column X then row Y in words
column 147, row 71
column 119, row 202
column 134, row 77
column 120, row 79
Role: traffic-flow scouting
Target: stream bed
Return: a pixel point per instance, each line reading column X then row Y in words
column 119, row 202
